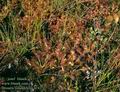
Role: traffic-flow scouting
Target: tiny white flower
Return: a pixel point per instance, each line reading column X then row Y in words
column 9, row 65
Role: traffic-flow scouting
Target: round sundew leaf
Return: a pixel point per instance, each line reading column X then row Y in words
column 116, row 17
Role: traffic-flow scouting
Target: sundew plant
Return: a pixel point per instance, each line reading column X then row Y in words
column 60, row 45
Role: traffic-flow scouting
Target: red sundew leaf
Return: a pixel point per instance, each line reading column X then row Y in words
column 63, row 62
column 80, row 25
column 84, row 69
column 92, row 46
column 97, row 24
column 55, row 24
column 105, row 2
column 72, row 56
column 116, row 17
column 62, row 68
column 33, row 65
column 47, row 45
column 118, row 57
column 26, row 21
column 51, row 63
column 78, row 62
column 58, row 52
column 3, row 48
column 80, row 50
